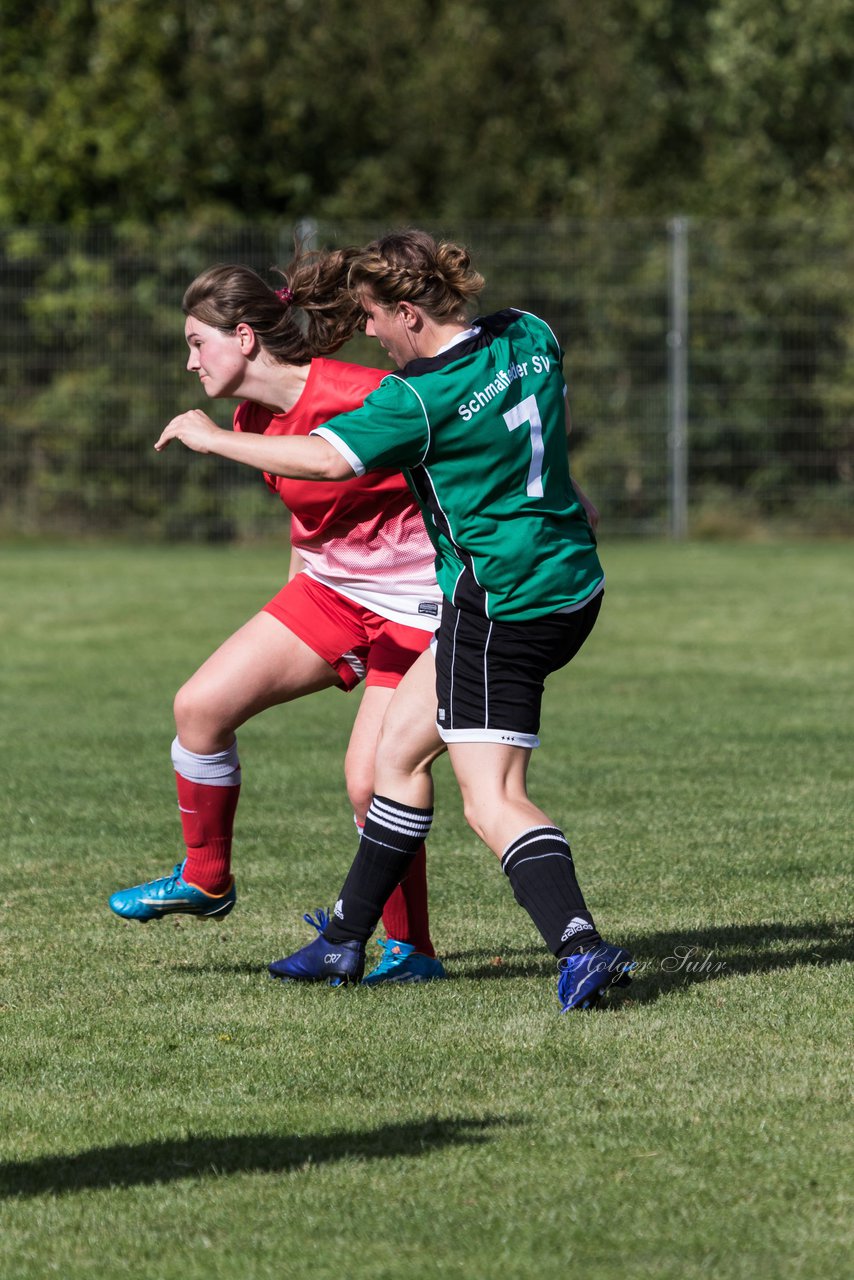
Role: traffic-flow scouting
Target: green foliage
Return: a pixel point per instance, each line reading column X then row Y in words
column 179, row 127
column 780, row 107
column 171, row 1114
column 112, row 111
column 97, row 363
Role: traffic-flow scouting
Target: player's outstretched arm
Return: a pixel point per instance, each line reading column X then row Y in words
column 298, row 457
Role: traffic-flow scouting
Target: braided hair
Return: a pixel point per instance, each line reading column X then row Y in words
column 410, row 266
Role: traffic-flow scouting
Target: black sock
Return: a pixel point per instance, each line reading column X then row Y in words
column 540, row 869
column 392, row 835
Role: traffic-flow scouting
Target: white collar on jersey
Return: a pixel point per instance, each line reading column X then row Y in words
column 461, row 337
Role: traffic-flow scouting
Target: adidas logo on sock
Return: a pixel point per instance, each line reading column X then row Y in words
column 338, row 909
column 576, row 925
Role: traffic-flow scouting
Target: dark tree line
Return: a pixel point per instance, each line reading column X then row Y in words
column 140, row 143
column 120, row 111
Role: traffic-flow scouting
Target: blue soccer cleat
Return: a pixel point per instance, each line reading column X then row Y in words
column 585, row 978
column 402, row 963
column 171, row 895
column 322, row 961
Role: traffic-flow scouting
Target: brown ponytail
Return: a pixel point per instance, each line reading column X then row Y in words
column 312, row 315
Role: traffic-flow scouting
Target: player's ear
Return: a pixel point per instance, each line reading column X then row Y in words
column 410, row 314
column 246, row 336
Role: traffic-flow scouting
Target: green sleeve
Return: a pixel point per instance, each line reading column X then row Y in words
column 390, row 429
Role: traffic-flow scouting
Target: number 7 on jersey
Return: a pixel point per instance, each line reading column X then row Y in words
column 528, row 411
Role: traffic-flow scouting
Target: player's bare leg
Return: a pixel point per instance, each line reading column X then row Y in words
column 261, row 665
column 533, row 852
column 536, row 857
column 409, row 741
column 492, row 778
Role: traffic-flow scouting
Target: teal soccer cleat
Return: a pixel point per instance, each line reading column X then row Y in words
column 171, row 895
column 402, row 963
column 585, row 978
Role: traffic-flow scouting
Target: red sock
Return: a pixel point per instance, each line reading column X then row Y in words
column 405, row 915
column 207, row 817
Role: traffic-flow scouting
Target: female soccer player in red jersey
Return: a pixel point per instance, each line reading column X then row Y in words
column 361, row 601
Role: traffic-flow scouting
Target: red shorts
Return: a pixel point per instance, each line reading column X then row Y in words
column 358, row 644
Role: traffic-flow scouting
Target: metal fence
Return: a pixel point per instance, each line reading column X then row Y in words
column 709, row 365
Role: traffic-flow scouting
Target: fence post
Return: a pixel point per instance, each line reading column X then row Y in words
column 305, row 234
column 677, row 375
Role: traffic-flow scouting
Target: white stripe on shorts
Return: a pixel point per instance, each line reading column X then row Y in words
column 355, row 664
column 506, row 736
column 486, row 677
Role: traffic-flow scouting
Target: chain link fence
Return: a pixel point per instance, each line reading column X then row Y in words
column 709, row 365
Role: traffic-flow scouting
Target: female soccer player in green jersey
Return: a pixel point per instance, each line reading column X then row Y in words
column 476, row 419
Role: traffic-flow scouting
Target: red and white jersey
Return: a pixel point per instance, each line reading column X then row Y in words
column 364, row 537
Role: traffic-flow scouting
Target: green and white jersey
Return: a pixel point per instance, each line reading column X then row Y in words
column 479, row 431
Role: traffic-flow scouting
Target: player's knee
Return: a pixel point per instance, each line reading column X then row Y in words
column 483, row 798
column 360, row 789
column 184, row 707
column 473, row 812
column 389, row 750
column 180, row 708
column 195, row 711
column 406, row 746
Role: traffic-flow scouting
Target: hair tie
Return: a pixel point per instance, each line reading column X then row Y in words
column 285, row 295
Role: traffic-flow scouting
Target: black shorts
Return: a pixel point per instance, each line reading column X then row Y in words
column 490, row 674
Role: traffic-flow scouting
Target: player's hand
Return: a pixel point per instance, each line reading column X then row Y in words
column 194, row 429
column 590, row 509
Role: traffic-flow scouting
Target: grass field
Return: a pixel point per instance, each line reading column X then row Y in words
column 168, row 1112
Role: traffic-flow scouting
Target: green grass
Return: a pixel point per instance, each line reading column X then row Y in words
column 169, row 1112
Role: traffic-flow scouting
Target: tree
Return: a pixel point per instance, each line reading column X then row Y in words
column 112, row 111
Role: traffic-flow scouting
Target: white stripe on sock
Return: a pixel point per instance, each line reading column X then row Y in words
column 400, row 820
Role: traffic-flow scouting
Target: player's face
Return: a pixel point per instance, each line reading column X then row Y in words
column 216, row 357
column 390, row 329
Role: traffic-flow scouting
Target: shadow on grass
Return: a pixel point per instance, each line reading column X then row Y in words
column 675, row 958
column 169, row 1160
column 665, row 960
column 518, row 962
